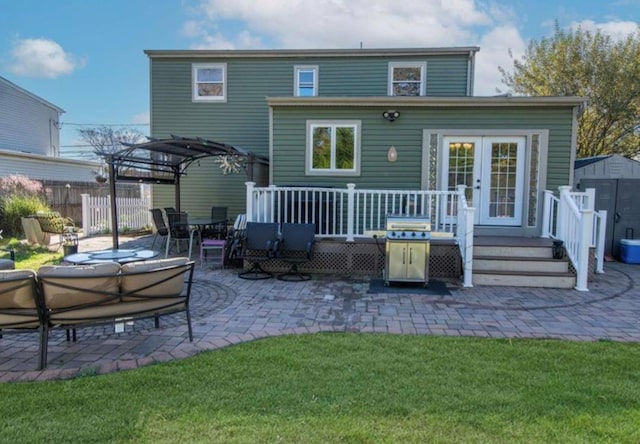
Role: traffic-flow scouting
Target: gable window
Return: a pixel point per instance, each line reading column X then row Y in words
column 209, row 82
column 407, row 78
column 306, row 81
column 333, row 148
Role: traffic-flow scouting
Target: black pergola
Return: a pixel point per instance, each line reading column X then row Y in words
column 163, row 161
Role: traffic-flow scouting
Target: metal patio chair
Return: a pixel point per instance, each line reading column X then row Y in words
column 179, row 231
column 295, row 248
column 161, row 227
column 259, row 245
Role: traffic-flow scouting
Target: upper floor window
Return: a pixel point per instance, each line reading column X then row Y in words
column 407, row 78
column 306, row 81
column 209, row 82
column 333, row 148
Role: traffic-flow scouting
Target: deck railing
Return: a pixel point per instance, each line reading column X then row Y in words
column 133, row 214
column 359, row 213
column 570, row 217
column 350, row 212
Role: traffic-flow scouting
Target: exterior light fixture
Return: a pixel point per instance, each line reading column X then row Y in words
column 392, row 154
column 391, row 114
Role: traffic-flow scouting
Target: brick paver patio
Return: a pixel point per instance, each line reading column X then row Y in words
column 227, row 310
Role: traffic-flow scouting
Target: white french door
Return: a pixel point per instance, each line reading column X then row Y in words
column 492, row 168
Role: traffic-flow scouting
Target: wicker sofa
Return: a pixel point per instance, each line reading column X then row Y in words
column 71, row 297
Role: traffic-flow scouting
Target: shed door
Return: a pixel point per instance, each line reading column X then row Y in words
column 621, row 199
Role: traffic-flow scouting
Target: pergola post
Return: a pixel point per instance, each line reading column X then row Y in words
column 114, row 207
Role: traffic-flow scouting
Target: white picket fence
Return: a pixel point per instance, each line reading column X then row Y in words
column 133, row 214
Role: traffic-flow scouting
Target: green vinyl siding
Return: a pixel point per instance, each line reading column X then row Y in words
column 406, row 135
column 243, row 119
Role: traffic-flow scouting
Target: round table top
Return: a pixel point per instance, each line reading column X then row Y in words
column 120, row 255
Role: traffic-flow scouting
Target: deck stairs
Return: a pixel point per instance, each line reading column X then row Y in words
column 519, row 262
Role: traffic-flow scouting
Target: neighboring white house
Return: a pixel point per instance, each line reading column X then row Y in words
column 30, row 138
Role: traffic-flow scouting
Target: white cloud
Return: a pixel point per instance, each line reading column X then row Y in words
column 342, row 23
column 494, row 53
column 223, row 24
column 41, row 58
column 616, row 29
column 142, row 118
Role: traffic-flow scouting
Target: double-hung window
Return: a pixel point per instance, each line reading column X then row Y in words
column 333, row 148
column 306, row 81
column 209, row 82
column 407, row 78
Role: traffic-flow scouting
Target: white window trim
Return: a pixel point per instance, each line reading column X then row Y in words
column 423, row 75
column 296, row 78
column 194, row 84
column 310, row 171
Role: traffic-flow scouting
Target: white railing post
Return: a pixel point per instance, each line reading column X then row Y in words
column 86, row 224
column 547, row 214
column 351, row 194
column 584, row 238
column 591, row 198
column 468, row 246
column 561, row 226
column 249, row 209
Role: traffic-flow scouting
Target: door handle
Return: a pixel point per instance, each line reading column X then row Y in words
column 616, row 217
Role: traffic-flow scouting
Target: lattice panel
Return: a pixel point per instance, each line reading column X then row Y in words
column 367, row 258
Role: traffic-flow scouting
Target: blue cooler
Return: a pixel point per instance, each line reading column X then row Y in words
column 630, row 251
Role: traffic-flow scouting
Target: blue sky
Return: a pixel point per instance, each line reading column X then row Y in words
column 86, row 56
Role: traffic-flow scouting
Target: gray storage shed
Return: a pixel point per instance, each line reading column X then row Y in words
column 616, row 180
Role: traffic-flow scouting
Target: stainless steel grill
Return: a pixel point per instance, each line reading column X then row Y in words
column 407, row 248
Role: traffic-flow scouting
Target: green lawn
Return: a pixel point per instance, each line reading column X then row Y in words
column 31, row 256
column 347, row 388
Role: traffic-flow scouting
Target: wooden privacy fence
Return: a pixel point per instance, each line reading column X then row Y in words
column 66, row 197
column 133, row 214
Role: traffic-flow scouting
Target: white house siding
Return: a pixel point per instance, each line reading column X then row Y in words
column 46, row 168
column 27, row 123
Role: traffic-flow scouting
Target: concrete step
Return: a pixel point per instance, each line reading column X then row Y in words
column 523, row 264
column 521, row 279
column 513, row 251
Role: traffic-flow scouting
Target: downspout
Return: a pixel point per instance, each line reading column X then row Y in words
column 470, row 72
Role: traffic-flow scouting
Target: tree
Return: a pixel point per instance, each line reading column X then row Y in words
column 107, row 140
column 592, row 65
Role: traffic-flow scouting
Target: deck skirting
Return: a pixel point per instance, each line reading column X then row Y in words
column 366, row 257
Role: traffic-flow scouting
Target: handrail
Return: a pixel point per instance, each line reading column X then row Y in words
column 464, row 235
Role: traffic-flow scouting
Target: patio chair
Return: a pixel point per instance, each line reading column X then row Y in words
column 258, row 246
column 295, row 248
column 53, row 223
column 219, row 223
column 161, row 227
column 233, row 245
column 179, row 231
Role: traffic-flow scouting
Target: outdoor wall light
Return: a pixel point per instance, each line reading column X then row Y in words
column 391, row 114
column 392, row 154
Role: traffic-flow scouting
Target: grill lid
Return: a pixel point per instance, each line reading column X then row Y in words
column 402, row 222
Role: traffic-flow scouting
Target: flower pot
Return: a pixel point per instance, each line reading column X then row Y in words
column 69, row 249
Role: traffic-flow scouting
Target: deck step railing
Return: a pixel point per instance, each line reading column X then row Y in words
column 571, row 218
